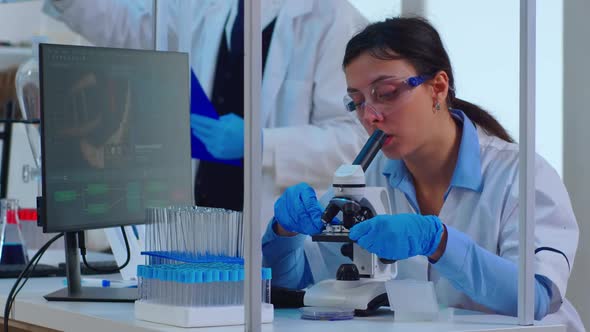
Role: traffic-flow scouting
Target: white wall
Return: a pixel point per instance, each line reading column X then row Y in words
column 482, row 38
column 377, row 10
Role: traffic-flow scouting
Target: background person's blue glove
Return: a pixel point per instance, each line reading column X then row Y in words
column 398, row 236
column 298, row 210
column 223, row 137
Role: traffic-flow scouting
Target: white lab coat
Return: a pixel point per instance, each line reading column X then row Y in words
column 490, row 218
column 307, row 133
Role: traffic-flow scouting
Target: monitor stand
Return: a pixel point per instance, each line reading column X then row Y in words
column 75, row 292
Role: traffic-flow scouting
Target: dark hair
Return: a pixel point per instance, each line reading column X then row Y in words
column 415, row 40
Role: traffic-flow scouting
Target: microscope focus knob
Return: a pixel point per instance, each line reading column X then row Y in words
column 347, row 272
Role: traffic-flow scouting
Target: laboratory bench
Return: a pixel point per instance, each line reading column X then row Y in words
column 31, row 312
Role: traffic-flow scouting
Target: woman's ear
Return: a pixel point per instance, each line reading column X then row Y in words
column 440, row 86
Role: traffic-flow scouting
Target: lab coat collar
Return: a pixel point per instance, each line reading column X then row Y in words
column 270, row 11
column 467, row 172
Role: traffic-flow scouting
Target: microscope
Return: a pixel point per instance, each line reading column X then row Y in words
column 361, row 284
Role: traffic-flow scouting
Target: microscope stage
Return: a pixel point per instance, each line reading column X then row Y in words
column 331, row 237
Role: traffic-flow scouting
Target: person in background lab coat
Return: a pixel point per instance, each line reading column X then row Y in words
column 305, row 136
column 451, row 171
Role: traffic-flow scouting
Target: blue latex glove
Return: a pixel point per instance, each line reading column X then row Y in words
column 398, row 236
column 298, row 210
column 223, row 137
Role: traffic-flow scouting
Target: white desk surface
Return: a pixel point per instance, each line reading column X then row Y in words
column 30, row 307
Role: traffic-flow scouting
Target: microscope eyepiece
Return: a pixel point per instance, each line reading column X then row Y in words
column 369, row 151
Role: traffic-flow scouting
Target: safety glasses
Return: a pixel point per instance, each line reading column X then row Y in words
column 388, row 93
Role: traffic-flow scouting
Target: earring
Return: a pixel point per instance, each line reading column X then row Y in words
column 436, row 107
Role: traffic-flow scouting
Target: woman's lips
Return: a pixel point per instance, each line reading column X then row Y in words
column 388, row 140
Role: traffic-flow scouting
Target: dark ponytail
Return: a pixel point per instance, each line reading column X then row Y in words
column 482, row 118
column 416, row 41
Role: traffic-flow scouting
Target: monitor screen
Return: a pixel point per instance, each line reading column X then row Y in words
column 115, row 135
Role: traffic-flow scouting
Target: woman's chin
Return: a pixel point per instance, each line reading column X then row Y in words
column 392, row 152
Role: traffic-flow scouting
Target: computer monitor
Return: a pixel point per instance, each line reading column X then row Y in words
column 115, row 139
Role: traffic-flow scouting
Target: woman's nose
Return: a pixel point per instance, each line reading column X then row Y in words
column 371, row 114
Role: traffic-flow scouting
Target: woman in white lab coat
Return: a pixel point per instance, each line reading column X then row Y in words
column 306, row 136
column 451, row 171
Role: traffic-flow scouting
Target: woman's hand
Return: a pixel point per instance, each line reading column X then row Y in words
column 401, row 236
column 298, row 211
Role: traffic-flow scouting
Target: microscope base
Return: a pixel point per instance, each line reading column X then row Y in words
column 364, row 295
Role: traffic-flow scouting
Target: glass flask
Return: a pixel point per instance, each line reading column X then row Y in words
column 27, row 91
column 14, row 250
